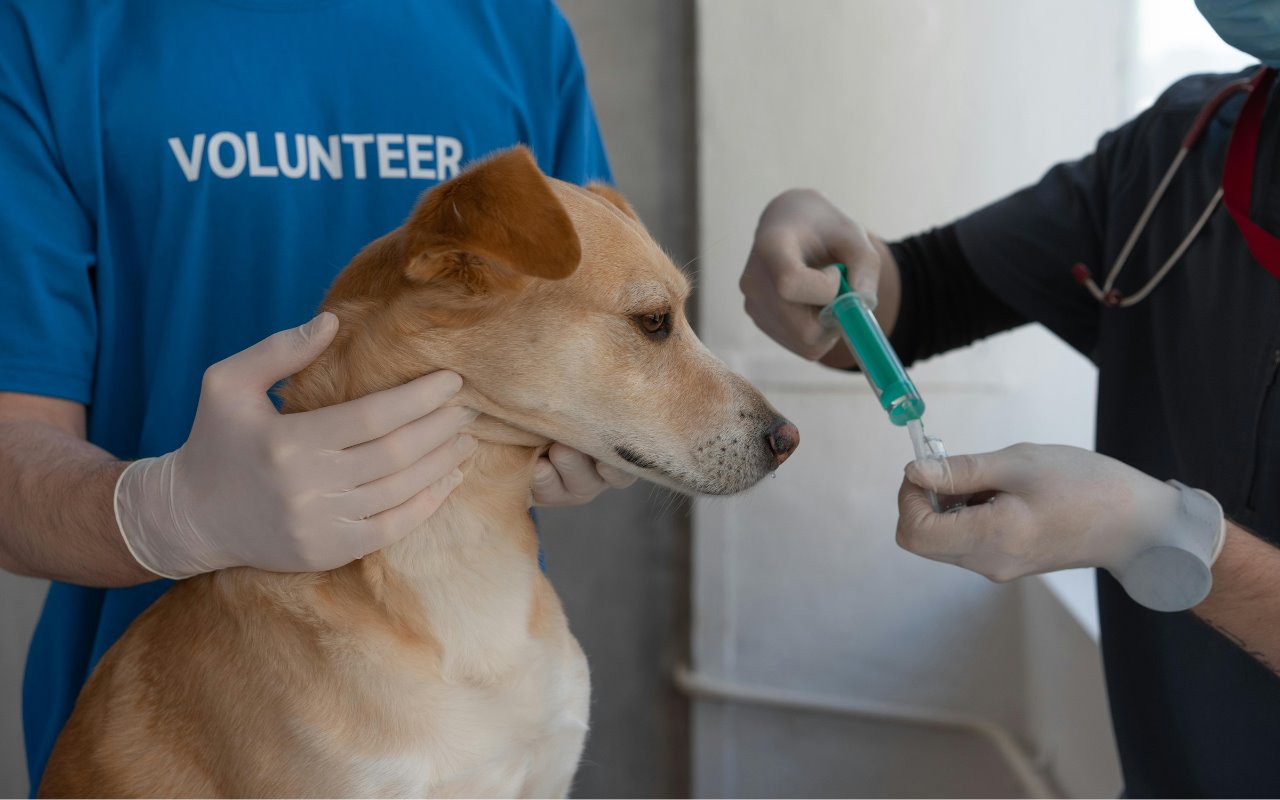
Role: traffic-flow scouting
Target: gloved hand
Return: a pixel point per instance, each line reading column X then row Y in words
column 292, row 492
column 1054, row 507
column 799, row 230
column 567, row 477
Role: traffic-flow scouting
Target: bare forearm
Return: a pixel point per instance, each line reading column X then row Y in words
column 1245, row 602
column 889, row 301
column 57, row 518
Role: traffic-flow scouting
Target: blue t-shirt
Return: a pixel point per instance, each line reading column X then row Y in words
column 181, row 179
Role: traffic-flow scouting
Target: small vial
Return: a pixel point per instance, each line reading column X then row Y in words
column 930, row 448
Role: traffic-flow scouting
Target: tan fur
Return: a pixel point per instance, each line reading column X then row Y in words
column 442, row 665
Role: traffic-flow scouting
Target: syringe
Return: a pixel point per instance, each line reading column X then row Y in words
column 875, row 356
column 898, row 396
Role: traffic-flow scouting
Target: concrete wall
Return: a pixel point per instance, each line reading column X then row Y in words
column 907, row 113
column 1065, row 715
column 20, row 601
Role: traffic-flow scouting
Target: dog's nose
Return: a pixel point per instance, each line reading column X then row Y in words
column 783, row 438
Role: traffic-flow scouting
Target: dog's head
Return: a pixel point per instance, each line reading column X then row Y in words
column 566, row 321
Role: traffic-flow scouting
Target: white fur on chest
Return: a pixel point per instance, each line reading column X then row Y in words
column 517, row 737
column 504, row 712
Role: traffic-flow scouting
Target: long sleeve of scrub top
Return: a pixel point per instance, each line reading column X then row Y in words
column 1010, row 263
column 944, row 304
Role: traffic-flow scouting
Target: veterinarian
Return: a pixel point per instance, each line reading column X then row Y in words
column 181, row 180
column 1189, row 389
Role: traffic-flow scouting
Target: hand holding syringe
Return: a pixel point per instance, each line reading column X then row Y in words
column 888, row 378
column 1161, row 548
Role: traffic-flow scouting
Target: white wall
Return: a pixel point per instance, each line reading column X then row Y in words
column 907, row 113
column 1172, row 39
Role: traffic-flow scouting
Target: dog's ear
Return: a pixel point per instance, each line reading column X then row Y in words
column 501, row 212
column 614, row 197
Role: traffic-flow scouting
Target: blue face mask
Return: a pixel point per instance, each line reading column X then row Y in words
column 1252, row 26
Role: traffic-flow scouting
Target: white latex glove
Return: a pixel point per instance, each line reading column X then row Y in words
column 799, row 230
column 566, row 477
column 292, row 492
column 1056, row 507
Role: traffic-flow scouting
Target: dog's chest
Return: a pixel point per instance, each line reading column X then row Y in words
column 519, row 735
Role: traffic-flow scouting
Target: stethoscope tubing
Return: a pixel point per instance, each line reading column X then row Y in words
column 1107, row 294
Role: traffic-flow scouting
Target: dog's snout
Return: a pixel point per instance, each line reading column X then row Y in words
column 783, row 438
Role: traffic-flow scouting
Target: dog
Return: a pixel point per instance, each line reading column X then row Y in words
column 443, row 665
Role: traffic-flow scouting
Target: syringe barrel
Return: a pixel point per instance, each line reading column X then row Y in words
column 866, row 340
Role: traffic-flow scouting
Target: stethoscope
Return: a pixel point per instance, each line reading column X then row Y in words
column 1235, row 192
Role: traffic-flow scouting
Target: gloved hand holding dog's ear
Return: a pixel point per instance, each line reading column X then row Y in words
column 292, row 492
column 1054, row 507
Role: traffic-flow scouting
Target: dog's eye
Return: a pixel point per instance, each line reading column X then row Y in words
column 652, row 323
column 655, row 326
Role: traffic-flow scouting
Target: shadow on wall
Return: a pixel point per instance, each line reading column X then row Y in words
column 20, row 603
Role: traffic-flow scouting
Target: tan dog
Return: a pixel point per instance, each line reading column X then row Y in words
column 442, row 665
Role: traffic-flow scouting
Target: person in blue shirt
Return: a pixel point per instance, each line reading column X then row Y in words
column 181, row 181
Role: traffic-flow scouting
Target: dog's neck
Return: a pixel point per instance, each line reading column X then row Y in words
column 471, row 568
column 466, row 580
column 489, row 509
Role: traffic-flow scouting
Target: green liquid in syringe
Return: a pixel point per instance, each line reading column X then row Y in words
column 869, row 345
